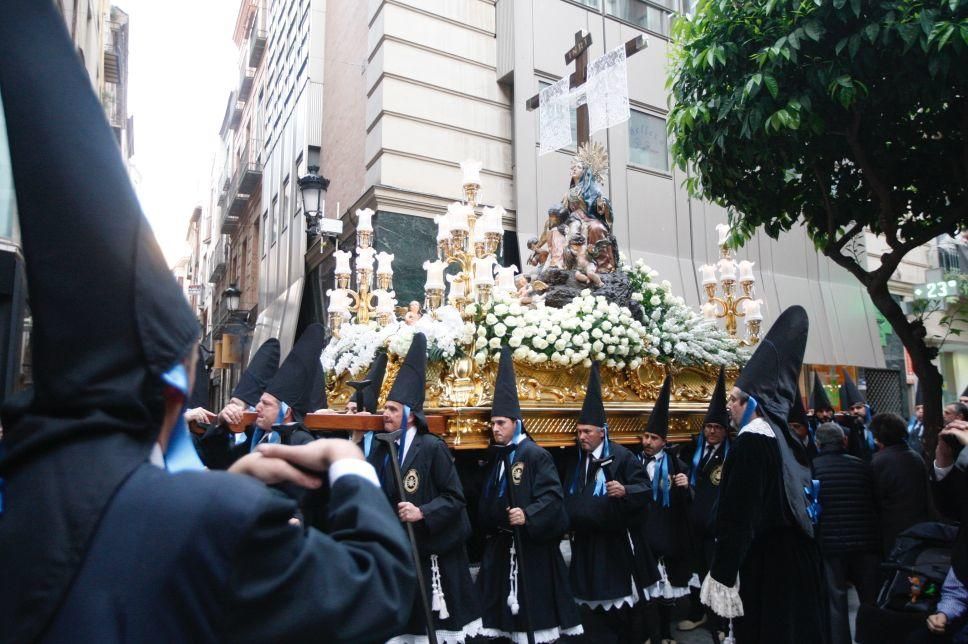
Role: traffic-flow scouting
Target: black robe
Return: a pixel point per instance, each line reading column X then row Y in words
column 549, row 599
column 667, row 533
column 705, row 503
column 602, row 559
column 430, row 482
column 217, row 447
column 778, row 565
column 857, row 444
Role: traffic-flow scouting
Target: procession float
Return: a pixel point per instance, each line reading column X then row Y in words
column 577, row 301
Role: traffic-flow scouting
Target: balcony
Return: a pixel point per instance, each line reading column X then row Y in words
column 217, row 261
column 246, row 78
column 233, row 114
column 257, row 45
column 245, row 181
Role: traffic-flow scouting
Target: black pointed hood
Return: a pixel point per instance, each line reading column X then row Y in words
column 506, row 388
column 818, row 397
column 849, row 394
column 409, row 388
column 659, row 418
column 592, row 409
column 299, row 381
column 797, row 413
column 918, row 395
column 262, row 367
column 771, row 377
column 109, row 320
column 964, row 394
column 716, row 413
column 367, row 395
column 199, row 397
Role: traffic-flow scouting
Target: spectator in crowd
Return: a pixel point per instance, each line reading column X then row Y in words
column 847, row 530
column 900, row 479
column 954, row 411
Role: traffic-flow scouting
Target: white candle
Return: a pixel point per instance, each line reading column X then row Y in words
column 342, row 262
column 505, row 278
column 708, row 311
column 472, row 171
column 435, row 273
column 490, row 220
column 443, row 227
column 746, row 271
column 364, row 258
column 339, row 301
column 708, row 274
column 384, row 263
column 385, row 301
column 752, row 309
column 365, row 220
column 484, row 269
column 723, row 230
column 457, row 214
column 727, row 269
column 457, row 287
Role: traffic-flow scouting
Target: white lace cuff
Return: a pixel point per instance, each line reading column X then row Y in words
column 724, row 600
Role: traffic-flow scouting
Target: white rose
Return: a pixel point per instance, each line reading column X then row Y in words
column 586, row 362
column 597, row 333
column 610, row 364
column 501, row 309
column 606, row 326
column 597, row 346
column 495, row 343
column 480, row 343
column 599, row 356
column 560, row 345
column 521, row 353
column 491, row 319
column 500, row 330
column 637, row 297
column 587, row 324
column 609, row 349
column 514, row 342
column 515, row 308
column 655, row 300
column 636, row 363
column 471, row 309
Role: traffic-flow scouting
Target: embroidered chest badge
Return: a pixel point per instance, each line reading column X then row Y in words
column 716, row 475
column 517, row 471
column 411, row 481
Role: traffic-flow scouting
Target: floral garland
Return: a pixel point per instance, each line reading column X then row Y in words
column 586, row 329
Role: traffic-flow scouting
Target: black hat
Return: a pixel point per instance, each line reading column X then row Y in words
column 299, row 381
column 659, row 418
column 849, row 394
column 771, row 374
column 506, row 388
column 109, row 320
column 964, row 394
column 367, row 395
column 797, row 413
column 717, row 404
column 593, row 410
column 262, row 367
column 199, row 397
column 818, row 397
column 918, row 395
column 409, row 388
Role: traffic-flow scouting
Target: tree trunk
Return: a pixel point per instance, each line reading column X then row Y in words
column 912, row 336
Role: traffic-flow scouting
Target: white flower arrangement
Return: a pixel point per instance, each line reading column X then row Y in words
column 680, row 334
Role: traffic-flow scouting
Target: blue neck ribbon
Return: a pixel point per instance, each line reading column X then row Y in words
column 751, row 405
column 599, row 475
column 500, row 479
column 180, row 455
column 367, row 442
column 813, row 498
column 697, row 456
column 661, row 473
column 403, row 435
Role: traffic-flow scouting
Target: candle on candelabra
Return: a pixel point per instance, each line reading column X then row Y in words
column 384, row 263
column 708, row 274
column 484, row 269
column 364, row 258
column 708, row 311
column 753, row 310
column 505, row 278
column 457, row 216
column 472, row 171
column 342, row 262
column 364, row 220
column 727, row 269
column 443, row 228
column 490, row 220
column 746, row 271
column 458, row 288
column 385, row 301
column 435, row 274
column 723, row 231
column 339, row 301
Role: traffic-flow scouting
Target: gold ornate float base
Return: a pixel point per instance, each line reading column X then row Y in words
column 551, row 398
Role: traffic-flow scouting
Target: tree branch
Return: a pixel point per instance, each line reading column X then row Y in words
column 847, row 236
column 848, row 263
column 886, row 212
column 827, row 204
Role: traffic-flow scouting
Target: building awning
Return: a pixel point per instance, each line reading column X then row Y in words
column 279, row 318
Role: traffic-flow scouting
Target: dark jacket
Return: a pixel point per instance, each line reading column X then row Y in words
column 848, row 519
column 901, row 490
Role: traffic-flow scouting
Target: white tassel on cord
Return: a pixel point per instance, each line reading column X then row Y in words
column 513, row 583
column 729, row 638
column 438, row 603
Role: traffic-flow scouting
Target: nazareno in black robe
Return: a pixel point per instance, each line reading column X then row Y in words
column 778, row 565
column 602, row 557
column 431, row 483
column 552, row 607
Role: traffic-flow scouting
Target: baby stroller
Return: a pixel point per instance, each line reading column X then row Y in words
column 912, row 578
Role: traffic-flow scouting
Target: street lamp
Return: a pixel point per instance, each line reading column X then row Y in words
column 313, row 188
column 231, row 296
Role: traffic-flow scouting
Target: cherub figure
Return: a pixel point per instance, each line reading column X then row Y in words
column 577, row 260
column 413, row 313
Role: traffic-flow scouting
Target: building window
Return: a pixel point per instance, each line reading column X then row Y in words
column 654, row 16
column 574, row 122
column 594, row 4
column 265, row 235
column 273, row 218
column 284, row 211
column 648, row 141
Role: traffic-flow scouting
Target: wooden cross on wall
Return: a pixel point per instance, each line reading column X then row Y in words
column 579, row 55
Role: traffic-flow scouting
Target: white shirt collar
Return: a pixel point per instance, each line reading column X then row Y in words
column 407, row 441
